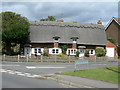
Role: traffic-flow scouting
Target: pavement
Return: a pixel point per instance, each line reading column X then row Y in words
column 80, row 82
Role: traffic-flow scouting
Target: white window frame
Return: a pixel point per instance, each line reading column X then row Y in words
column 33, row 50
column 72, row 51
column 92, row 53
column 55, row 52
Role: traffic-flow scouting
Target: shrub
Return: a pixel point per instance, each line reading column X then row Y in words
column 62, row 55
column 86, row 53
column 45, row 53
column 77, row 53
column 64, row 48
column 100, row 51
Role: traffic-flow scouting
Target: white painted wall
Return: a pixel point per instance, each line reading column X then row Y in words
column 110, row 51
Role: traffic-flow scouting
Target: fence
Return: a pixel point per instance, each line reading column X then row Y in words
column 56, row 59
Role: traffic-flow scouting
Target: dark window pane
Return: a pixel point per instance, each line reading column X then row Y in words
column 53, row 51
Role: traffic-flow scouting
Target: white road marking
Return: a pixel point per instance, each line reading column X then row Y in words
column 17, row 72
column 33, row 67
column 20, row 73
column 99, row 64
column 9, row 65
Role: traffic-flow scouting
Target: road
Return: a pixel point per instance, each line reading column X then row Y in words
column 29, row 75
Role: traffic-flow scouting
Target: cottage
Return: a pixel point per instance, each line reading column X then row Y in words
column 50, row 36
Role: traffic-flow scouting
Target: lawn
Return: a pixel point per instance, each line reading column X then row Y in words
column 108, row 74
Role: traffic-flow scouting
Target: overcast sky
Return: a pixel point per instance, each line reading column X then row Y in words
column 83, row 12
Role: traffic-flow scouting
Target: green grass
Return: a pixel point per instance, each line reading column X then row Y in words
column 109, row 74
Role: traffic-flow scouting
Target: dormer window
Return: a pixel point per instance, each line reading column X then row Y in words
column 74, row 39
column 56, row 38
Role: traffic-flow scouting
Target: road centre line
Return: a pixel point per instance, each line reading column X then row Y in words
column 33, row 67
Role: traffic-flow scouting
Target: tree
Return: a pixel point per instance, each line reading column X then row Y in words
column 14, row 29
column 50, row 18
column 100, row 51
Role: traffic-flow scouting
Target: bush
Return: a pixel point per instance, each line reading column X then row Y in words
column 100, row 51
column 77, row 54
column 62, row 55
column 45, row 53
column 87, row 53
column 64, row 48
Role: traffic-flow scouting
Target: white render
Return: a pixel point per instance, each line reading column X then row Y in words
column 110, row 51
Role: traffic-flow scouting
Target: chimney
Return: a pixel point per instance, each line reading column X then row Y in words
column 74, row 44
column 99, row 22
column 56, row 41
column 61, row 20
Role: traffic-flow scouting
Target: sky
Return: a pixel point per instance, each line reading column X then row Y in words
column 83, row 12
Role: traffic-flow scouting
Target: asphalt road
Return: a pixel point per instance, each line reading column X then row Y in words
column 25, row 75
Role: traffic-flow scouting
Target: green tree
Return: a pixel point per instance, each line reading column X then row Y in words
column 14, row 29
column 100, row 51
column 64, row 49
column 49, row 18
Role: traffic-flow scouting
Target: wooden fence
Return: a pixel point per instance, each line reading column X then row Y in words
column 56, row 59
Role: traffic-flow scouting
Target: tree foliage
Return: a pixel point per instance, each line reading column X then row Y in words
column 14, row 29
column 49, row 18
column 100, row 51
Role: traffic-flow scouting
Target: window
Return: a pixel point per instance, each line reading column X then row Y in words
column 53, row 51
column 68, row 52
column 91, row 51
column 71, row 51
column 57, row 50
column 35, row 51
column 39, row 50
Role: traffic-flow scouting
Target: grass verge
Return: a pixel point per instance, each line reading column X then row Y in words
column 108, row 74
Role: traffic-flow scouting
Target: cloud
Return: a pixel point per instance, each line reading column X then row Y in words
column 84, row 12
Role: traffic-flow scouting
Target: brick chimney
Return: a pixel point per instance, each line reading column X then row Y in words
column 61, row 20
column 56, row 41
column 74, row 44
column 99, row 22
